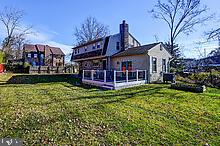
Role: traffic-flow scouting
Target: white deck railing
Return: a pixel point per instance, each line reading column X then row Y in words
column 115, row 76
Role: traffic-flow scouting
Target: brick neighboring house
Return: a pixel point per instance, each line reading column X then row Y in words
column 43, row 55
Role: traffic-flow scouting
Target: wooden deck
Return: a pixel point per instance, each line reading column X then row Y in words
column 115, row 80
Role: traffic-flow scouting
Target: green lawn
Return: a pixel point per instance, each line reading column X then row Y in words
column 47, row 109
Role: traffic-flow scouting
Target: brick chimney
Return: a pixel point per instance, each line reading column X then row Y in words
column 124, row 31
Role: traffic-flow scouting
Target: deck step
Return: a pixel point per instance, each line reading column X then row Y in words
column 108, row 87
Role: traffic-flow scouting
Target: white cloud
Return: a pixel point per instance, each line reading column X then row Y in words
column 41, row 36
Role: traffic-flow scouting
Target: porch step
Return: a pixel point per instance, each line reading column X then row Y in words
column 107, row 87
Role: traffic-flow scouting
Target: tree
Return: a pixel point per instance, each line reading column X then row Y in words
column 90, row 30
column 176, row 63
column 214, row 35
column 181, row 16
column 15, row 34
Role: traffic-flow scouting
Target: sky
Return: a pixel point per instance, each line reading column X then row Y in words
column 54, row 21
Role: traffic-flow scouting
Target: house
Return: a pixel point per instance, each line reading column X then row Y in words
column 123, row 54
column 211, row 61
column 199, row 65
column 43, row 55
column 188, row 64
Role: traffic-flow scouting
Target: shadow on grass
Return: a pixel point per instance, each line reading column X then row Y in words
column 106, row 98
column 35, row 79
column 72, row 79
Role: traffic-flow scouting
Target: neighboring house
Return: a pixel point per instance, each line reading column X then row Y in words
column 191, row 65
column 212, row 61
column 188, row 64
column 43, row 55
column 121, row 52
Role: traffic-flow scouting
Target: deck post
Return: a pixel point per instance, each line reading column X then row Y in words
column 92, row 75
column 83, row 75
column 137, row 74
column 127, row 76
column 105, row 76
column 114, row 77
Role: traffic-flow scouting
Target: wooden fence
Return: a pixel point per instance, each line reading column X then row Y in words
column 50, row 70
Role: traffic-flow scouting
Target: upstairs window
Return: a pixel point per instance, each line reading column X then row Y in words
column 98, row 45
column 35, row 55
column 29, row 55
column 118, row 45
column 154, row 64
column 78, row 51
column 93, row 46
column 85, row 48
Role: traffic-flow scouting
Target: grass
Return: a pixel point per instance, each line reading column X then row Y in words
column 53, row 110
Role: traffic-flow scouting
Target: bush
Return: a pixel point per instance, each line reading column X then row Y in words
column 2, row 57
column 188, row 87
column 212, row 80
column 17, row 68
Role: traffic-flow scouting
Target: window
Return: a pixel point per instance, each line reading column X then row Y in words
column 78, row 50
column 93, row 46
column 98, row 45
column 35, row 55
column 95, row 63
column 29, row 55
column 118, row 46
column 154, row 64
column 164, row 68
column 85, row 48
column 127, row 65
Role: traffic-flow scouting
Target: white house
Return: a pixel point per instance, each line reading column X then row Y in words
column 120, row 58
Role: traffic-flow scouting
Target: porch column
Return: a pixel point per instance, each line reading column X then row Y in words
column 114, row 77
column 145, row 71
column 83, row 74
column 127, row 76
column 137, row 74
column 105, row 76
column 92, row 75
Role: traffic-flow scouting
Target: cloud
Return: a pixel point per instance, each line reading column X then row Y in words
column 41, row 35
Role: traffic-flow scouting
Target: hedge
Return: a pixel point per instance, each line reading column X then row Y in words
column 188, row 87
column 2, row 57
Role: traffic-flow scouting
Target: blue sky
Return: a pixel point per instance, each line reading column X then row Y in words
column 54, row 21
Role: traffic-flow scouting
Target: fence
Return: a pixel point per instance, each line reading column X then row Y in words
column 50, row 70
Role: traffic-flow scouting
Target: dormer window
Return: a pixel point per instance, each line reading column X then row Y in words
column 93, row 46
column 98, row 45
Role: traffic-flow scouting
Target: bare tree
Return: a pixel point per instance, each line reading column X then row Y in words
column 90, row 30
column 15, row 34
column 181, row 16
column 214, row 35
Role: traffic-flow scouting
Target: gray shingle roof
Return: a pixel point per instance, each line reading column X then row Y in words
column 136, row 50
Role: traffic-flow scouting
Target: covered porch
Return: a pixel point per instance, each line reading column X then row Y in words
column 114, row 80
